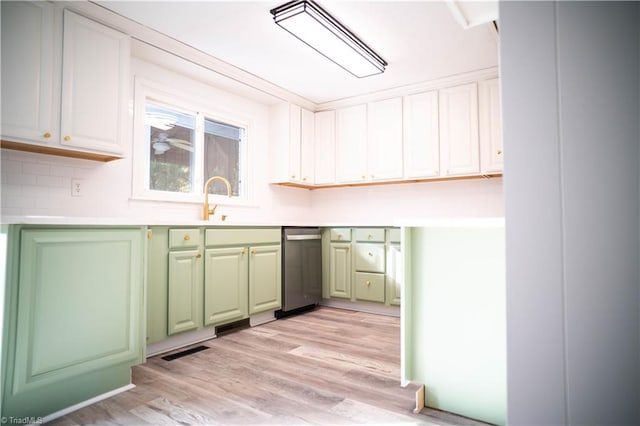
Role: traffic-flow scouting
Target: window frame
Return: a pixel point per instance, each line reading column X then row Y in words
column 183, row 101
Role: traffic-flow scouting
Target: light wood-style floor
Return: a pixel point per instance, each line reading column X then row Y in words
column 325, row 367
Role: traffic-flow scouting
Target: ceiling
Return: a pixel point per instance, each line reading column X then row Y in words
column 420, row 40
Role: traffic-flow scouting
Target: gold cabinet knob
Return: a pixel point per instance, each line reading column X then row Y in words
column 253, row 252
column 293, row 176
column 339, row 236
column 67, row 138
column 370, row 254
column 243, row 252
column 187, row 237
column 435, row 172
column 368, row 283
column 304, row 179
column 364, row 177
column 47, row 135
column 499, row 152
column 198, row 256
column 149, row 234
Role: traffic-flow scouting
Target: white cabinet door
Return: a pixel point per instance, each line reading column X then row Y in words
column 421, row 136
column 95, row 66
column 351, row 144
column 325, row 148
column 384, row 142
column 307, row 136
column 295, row 147
column 29, row 72
column 459, row 145
column 490, row 126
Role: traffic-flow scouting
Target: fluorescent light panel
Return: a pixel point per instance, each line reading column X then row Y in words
column 314, row 26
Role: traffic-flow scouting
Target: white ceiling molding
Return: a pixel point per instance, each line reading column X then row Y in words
column 472, row 13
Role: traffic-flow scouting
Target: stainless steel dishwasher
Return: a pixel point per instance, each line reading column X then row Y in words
column 301, row 269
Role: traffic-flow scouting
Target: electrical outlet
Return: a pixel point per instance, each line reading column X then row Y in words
column 77, row 188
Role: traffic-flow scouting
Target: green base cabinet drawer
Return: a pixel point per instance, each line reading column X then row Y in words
column 369, row 257
column 372, row 235
column 341, row 234
column 184, row 238
column 369, row 287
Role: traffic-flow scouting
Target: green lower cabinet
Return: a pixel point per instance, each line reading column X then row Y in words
column 185, row 291
column 369, row 287
column 265, row 282
column 74, row 316
column 225, row 285
column 340, row 270
column 393, row 274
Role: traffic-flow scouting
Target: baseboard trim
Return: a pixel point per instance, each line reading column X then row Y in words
column 371, row 308
column 180, row 340
column 86, row 403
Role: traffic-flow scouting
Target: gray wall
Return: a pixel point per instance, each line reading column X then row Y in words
column 570, row 87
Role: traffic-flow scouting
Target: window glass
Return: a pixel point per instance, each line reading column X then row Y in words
column 222, row 155
column 184, row 149
column 171, row 135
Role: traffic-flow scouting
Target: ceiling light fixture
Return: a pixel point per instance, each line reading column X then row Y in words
column 314, row 26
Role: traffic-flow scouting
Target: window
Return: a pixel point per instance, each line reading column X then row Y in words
column 182, row 146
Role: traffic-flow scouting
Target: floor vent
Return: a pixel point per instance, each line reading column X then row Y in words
column 184, row 353
column 234, row 326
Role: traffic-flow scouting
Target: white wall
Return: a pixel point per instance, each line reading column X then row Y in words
column 570, row 85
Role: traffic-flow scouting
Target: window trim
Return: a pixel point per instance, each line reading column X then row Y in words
column 146, row 90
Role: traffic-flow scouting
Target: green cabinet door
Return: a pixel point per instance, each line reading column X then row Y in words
column 225, row 285
column 75, row 316
column 340, row 270
column 394, row 274
column 265, row 282
column 185, row 291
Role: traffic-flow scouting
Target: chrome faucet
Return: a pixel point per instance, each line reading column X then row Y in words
column 207, row 210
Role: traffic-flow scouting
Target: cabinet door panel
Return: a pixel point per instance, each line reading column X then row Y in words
column 351, row 144
column 459, row 145
column 295, row 143
column 94, row 85
column 28, row 71
column 384, row 144
column 340, row 270
column 325, row 148
column 421, row 135
column 80, row 304
column 394, row 274
column 184, row 290
column 225, row 285
column 307, row 135
column 265, row 280
column 490, row 126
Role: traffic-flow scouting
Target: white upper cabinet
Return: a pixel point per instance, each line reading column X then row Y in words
column 421, row 136
column 307, row 145
column 65, row 82
column 384, row 142
column 459, row 143
column 28, row 72
column 94, row 85
column 491, row 157
column 351, row 144
column 292, row 139
column 325, row 148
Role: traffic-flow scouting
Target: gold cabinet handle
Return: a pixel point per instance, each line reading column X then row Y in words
column 187, row 237
column 198, row 256
column 149, row 234
column 67, row 138
column 47, row 135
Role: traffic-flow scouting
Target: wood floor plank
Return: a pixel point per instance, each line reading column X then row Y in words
column 325, row 367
